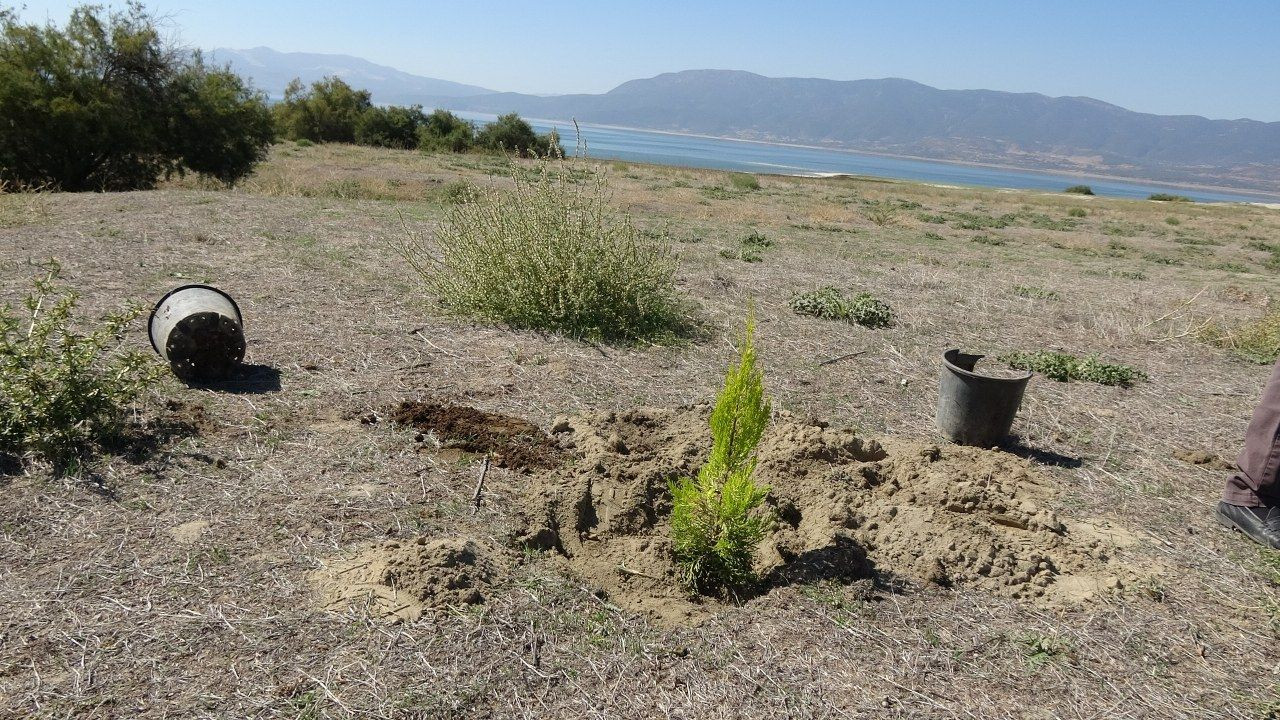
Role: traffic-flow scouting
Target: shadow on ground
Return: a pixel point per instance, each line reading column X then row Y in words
column 1017, row 447
column 248, row 379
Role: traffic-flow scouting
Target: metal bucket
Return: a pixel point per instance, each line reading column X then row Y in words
column 976, row 409
column 198, row 330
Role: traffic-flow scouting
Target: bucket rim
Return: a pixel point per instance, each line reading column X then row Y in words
column 190, row 286
column 946, row 362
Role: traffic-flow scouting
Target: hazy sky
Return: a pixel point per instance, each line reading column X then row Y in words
column 1215, row 58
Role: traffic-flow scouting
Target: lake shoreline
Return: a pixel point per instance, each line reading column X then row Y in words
column 1246, row 195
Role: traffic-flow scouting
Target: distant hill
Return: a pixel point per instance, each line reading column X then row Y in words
column 902, row 117
column 271, row 71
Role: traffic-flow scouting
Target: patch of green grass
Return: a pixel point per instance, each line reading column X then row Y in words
column 715, row 192
column 932, row 219
column 978, row 221
column 1040, row 649
column 1172, row 221
column 881, row 213
column 1255, row 340
column 455, row 192
column 1041, row 221
column 744, row 181
column 1064, row 367
column 1077, row 212
column 828, row 302
column 1118, row 230
column 1183, row 238
column 987, row 240
column 1166, row 197
column 1159, row 259
column 1029, row 291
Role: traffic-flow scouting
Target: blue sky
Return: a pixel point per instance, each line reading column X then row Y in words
column 1219, row 59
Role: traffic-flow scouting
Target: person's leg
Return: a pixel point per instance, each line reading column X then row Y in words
column 1255, row 483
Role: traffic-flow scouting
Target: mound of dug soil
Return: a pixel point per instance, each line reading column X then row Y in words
column 402, row 580
column 514, row 443
column 845, row 507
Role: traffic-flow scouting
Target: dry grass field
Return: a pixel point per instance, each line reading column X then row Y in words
column 177, row 582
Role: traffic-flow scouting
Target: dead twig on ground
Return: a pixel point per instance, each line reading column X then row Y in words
column 475, row 498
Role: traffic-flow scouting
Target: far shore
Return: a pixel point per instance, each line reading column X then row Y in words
column 959, row 163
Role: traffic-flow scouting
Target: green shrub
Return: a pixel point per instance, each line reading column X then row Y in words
column 1077, row 212
column 1256, row 340
column 1079, row 190
column 326, row 112
column 978, row 221
column 391, row 127
column 744, row 181
column 106, row 104
column 828, row 302
column 442, row 131
column 881, row 213
column 1172, row 221
column 1028, row 291
column 1166, row 197
column 509, row 133
column 1064, row 367
column 62, row 392
column 456, row 192
column 551, row 254
column 716, row 522
column 303, row 142
column 756, row 240
column 987, row 240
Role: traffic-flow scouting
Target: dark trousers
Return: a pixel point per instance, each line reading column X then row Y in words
column 1255, row 483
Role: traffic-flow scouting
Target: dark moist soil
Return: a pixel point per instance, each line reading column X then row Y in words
column 514, row 443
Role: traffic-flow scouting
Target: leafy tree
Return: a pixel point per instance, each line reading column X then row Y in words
column 510, row 133
column 393, row 127
column 443, row 130
column 326, row 112
column 105, row 104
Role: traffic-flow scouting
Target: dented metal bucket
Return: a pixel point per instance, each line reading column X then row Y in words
column 198, row 330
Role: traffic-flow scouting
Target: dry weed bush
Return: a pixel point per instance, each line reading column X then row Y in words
column 549, row 252
column 1255, row 340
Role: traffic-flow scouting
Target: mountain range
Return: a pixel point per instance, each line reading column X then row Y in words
column 892, row 116
column 271, row 71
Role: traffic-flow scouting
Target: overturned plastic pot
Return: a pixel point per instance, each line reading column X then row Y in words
column 973, row 408
column 198, row 330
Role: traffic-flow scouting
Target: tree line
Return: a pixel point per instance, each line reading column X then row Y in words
column 104, row 103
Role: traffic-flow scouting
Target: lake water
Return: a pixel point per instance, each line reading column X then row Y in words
column 613, row 143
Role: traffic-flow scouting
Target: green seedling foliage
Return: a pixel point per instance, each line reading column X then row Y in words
column 62, row 392
column 1065, row 367
column 829, row 302
column 716, row 521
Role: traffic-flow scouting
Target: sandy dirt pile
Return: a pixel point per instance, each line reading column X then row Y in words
column 402, row 580
column 845, row 506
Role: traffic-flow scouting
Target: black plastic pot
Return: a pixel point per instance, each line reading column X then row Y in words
column 199, row 331
column 976, row 409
